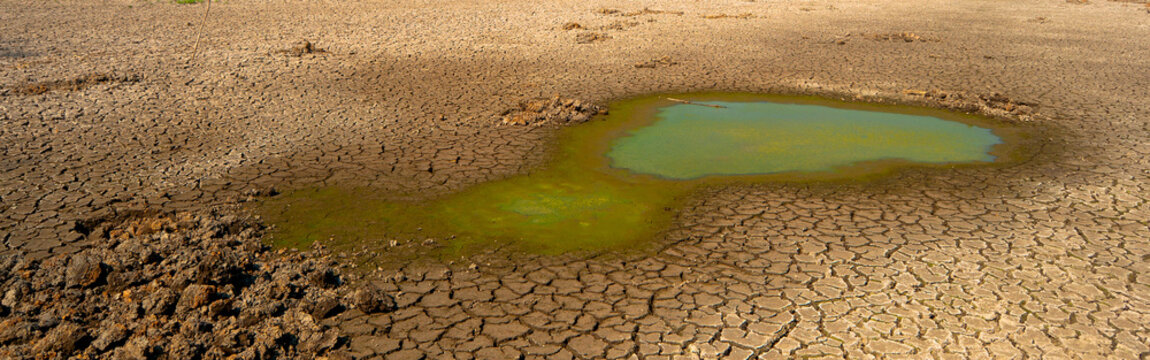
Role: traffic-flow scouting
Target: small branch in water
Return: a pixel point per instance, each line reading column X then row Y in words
column 688, row 102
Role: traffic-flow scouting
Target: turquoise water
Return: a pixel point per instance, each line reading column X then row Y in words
column 691, row 141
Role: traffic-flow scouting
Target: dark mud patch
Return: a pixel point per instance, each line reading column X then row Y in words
column 301, row 48
column 74, row 84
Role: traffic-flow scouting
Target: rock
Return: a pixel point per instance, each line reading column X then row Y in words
column 372, row 300
column 63, row 339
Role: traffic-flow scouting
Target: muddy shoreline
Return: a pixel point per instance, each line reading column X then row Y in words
column 301, row 216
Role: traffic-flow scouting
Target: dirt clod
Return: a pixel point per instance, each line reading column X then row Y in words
column 993, row 103
column 372, row 300
column 553, row 110
column 656, row 63
column 301, row 48
column 725, row 16
column 900, row 36
column 186, row 285
column 590, row 37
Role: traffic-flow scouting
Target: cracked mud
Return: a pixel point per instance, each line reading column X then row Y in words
column 1047, row 257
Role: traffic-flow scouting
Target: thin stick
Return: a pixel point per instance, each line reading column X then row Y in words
column 196, row 47
column 688, row 102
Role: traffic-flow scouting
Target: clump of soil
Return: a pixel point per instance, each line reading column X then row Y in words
column 553, row 110
column 301, row 48
column 179, row 286
column 724, row 16
column 645, row 11
column 993, row 103
column 902, row 36
column 572, row 26
column 648, row 11
column 619, row 25
column 656, row 63
column 896, row 37
column 590, row 37
column 75, row 84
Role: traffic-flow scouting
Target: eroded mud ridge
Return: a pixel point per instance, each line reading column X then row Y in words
column 177, row 286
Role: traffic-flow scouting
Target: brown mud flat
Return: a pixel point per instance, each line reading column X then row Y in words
column 1046, row 258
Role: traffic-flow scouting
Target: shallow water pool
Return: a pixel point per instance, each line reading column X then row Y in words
column 689, row 141
column 619, row 180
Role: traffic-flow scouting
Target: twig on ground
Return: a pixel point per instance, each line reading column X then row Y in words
column 688, row 102
column 200, row 32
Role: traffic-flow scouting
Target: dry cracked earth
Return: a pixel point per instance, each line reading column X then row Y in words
column 103, row 109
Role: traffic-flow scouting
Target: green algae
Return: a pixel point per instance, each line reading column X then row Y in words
column 618, row 181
